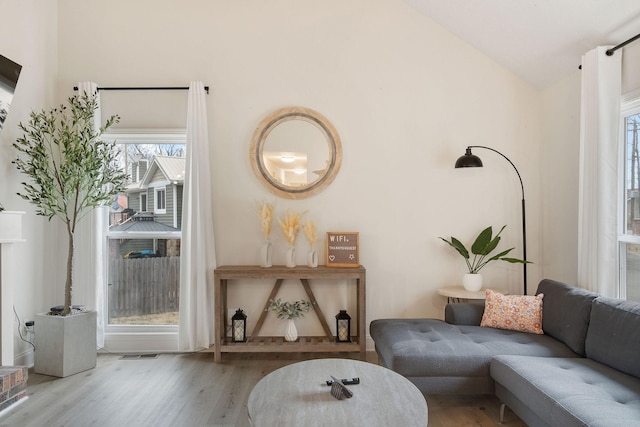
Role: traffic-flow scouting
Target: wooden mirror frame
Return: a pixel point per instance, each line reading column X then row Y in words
column 260, row 137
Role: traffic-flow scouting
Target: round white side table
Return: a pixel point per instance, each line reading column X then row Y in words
column 459, row 293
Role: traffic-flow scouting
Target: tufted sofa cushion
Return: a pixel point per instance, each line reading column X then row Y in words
column 614, row 334
column 433, row 348
column 566, row 312
column 568, row 391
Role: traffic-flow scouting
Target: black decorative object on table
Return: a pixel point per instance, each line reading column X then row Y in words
column 352, row 381
column 343, row 327
column 338, row 390
column 239, row 327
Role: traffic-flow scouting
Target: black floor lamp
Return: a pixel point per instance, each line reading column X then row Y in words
column 470, row 160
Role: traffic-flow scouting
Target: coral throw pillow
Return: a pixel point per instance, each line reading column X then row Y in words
column 514, row 312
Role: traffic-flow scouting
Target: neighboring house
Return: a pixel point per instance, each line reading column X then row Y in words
column 139, row 224
column 158, row 189
column 151, row 211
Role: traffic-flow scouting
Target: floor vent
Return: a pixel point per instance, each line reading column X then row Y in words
column 139, row 356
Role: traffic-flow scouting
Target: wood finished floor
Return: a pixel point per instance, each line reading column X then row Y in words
column 191, row 390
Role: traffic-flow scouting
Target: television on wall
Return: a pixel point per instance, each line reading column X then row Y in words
column 9, row 73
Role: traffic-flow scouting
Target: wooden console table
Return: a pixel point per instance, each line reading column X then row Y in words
column 255, row 343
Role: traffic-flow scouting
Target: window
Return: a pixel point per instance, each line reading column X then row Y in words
column 629, row 200
column 161, row 200
column 143, row 270
column 144, row 278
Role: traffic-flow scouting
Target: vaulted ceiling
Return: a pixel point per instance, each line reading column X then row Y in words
column 540, row 40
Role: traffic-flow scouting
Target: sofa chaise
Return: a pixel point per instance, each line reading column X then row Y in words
column 583, row 370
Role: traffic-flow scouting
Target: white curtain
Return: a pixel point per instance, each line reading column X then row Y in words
column 197, row 255
column 599, row 129
column 88, row 273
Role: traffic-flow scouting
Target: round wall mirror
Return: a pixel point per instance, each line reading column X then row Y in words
column 295, row 152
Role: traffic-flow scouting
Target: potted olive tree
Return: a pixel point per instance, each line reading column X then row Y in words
column 69, row 171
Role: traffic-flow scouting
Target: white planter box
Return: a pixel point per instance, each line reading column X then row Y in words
column 65, row 345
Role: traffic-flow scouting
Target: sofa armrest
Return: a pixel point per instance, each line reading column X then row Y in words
column 466, row 313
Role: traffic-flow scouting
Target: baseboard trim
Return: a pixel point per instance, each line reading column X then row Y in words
column 13, row 406
column 26, row 358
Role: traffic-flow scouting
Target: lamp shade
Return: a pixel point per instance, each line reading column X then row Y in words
column 469, row 160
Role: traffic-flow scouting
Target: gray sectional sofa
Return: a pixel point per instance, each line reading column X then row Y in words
column 583, row 371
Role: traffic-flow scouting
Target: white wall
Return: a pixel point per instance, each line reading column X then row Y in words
column 28, row 36
column 559, row 169
column 630, row 64
column 405, row 95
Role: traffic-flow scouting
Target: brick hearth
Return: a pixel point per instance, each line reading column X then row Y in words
column 14, row 385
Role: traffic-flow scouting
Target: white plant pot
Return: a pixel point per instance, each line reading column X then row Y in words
column 472, row 282
column 65, row 345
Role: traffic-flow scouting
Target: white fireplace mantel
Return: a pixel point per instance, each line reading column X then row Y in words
column 10, row 232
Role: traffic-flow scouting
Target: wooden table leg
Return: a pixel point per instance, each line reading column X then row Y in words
column 316, row 307
column 265, row 311
column 219, row 319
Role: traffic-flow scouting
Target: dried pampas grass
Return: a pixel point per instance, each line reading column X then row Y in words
column 310, row 232
column 265, row 213
column 290, row 226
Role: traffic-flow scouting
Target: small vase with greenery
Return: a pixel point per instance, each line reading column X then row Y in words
column 290, row 311
column 70, row 169
column 481, row 249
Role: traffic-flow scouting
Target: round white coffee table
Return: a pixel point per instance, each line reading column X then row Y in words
column 297, row 395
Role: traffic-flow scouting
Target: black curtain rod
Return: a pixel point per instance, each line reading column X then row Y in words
column 623, row 44
column 206, row 88
column 611, row 51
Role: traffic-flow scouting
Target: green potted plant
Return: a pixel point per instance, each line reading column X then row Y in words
column 482, row 248
column 69, row 171
column 290, row 311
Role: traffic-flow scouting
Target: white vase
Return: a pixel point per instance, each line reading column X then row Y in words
column 265, row 254
column 290, row 332
column 472, row 282
column 291, row 257
column 312, row 258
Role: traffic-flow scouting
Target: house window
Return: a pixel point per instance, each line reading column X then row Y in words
column 161, row 200
column 143, row 277
column 629, row 200
column 143, row 270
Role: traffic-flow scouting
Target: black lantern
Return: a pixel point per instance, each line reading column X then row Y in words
column 239, row 327
column 343, row 327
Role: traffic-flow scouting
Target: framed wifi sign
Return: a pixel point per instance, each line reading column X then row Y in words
column 343, row 249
